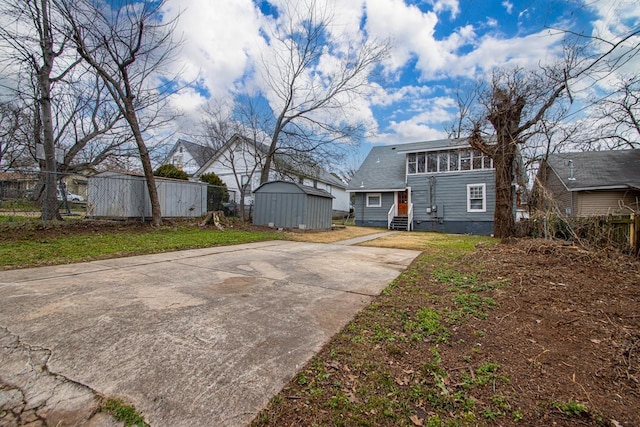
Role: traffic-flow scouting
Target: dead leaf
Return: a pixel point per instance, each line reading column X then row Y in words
column 595, row 341
column 416, row 420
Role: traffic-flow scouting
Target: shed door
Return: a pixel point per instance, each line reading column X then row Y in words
column 403, row 203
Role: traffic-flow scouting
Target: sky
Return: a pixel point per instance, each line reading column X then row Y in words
column 436, row 46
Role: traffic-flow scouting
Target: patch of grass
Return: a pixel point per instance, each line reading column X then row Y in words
column 426, row 324
column 572, row 408
column 466, row 281
column 64, row 249
column 126, row 414
column 470, row 304
column 485, row 374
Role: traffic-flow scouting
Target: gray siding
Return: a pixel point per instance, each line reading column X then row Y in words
column 285, row 205
column 449, row 193
column 372, row 217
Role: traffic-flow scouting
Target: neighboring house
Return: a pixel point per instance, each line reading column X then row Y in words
column 592, row 182
column 238, row 163
column 188, row 156
column 17, row 185
column 77, row 183
column 442, row 185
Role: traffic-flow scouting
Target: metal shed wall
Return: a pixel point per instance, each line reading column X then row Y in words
column 181, row 199
column 118, row 195
column 288, row 205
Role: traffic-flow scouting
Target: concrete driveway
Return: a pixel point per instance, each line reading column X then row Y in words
column 193, row 338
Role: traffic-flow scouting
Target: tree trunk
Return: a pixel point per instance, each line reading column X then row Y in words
column 132, row 118
column 503, row 219
column 50, row 200
column 264, row 173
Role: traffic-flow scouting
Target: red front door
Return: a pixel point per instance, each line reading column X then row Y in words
column 403, row 203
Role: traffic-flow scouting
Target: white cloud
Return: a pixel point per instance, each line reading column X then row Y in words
column 385, row 97
column 427, row 124
column 452, row 6
column 527, row 52
column 508, row 6
column 218, row 37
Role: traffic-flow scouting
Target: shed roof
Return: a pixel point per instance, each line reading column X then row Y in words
column 598, row 170
column 299, row 188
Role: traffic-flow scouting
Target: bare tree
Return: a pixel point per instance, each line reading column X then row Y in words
column 618, row 114
column 514, row 103
column 465, row 98
column 310, row 106
column 126, row 45
column 12, row 145
column 37, row 43
column 239, row 141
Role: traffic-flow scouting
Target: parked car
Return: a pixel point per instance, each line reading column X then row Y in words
column 71, row 197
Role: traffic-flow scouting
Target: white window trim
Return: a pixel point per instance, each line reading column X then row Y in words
column 484, row 197
column 378, row 195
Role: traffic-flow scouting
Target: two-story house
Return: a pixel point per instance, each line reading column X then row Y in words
column 238, row 162
column 188, row 156
column 442, row 185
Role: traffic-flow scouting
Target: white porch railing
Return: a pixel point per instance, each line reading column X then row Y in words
column 410, row 217
column 390, row 215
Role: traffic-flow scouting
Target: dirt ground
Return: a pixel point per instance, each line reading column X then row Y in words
column 561, row 347
column 567, row 329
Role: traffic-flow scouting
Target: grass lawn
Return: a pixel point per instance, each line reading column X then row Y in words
column 33, row 248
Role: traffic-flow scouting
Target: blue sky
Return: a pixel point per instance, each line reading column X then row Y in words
column 436, row 45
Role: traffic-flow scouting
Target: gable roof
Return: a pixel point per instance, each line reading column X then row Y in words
column 316, row 173
column 598, row 170
column 200, row 153
column 385, row 166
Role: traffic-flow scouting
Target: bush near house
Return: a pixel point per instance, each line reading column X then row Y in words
column 217, row 193
column 170, row 171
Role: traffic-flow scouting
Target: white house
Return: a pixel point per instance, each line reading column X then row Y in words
column 188, row 156
column 239, row 162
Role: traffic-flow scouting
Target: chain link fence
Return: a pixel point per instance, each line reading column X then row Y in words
column 108, row 195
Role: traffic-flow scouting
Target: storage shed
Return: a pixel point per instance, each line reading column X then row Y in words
column 283, row 204
column 119, row 195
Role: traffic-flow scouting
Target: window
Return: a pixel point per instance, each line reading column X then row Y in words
column 476, row 198
column 443, row 161
column 421, row 162
column 432, row 162
column 374, row 200
column 447, row 161
column 411, row 163
column 416, row 163
column 477, row 159
column 465, row 160
column 453, row 161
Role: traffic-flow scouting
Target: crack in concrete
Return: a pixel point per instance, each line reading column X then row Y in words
column 34, row 394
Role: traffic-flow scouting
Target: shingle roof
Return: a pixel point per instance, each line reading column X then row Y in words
column 598, row 170
column 200, row 153
column 304, row 188
column 385, row 166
